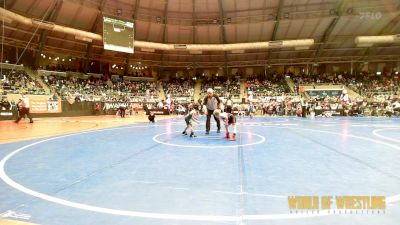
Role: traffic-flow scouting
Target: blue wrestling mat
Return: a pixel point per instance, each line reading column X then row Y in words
column 152, row 174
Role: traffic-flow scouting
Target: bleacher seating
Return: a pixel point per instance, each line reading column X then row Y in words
column 179, row 89
column 111, row 89
column 18, row 81
column 226, row 89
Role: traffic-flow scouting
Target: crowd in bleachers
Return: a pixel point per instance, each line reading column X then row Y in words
column 179, row 88
column 137, row 74
column 18, row 81
column 371, row 84
column 272, row 87
column 227, row 88
column 136, row 88
column 78, row 88
column 323, row 106
column 303, row 79
column 5, row 104
column 362, row 83
column 91, row 89
column 379, row 93
column 59, row 68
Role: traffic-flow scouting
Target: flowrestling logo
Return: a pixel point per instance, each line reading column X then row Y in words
column 337, row 204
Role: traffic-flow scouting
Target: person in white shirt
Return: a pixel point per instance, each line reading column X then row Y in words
column 168, row 101
column 344, row 97
column 251, row 104
column 160, row 105
column 23, row 108
column 389, row 110
column 229, row 104
column 396, row 105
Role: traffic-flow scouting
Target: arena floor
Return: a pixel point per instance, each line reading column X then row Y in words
column 122, row 172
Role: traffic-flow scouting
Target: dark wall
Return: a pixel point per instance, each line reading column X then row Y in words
column 75, row 109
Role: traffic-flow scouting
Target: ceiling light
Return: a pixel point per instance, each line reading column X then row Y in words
column 286, row 15
column 350, row 11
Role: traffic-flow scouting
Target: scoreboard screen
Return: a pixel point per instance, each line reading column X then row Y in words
column 118, row 35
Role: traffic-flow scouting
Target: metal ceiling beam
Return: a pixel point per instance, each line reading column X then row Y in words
column 223, row 34
column 384, row 31
column 136, row 10
column 388, row 27
column 262, row 25
column 193, row 21
column 31, row 6
column 165, row 21
column 28, row 32
column 339, row 12
column 51, row 17
column 276, row 25
column 238, row 63
column 9, row 3
column 295, row 7
column 194, row 33
column 128, row 55
column 97, row 22
column 303, row 11
column 164, row 39
column 88, row 4
column 221, row 22
column 277, row 19
column 95, row 25
column 74, row 21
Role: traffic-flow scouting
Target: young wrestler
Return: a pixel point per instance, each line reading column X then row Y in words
column 229, row 119
column 191, row 119
column 152, row 117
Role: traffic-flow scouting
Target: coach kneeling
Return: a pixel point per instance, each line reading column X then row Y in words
column 211, row 102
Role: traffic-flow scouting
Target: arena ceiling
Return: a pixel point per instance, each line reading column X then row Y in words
column 333, row 24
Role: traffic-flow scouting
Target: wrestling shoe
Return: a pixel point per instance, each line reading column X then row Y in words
column 233, row 137
column 227, row 136
column 192, row 135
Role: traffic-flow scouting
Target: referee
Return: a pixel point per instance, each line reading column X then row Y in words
column 23, row 107
column 211, row 101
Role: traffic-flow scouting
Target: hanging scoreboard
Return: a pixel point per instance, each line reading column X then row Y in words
column 118, row 35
